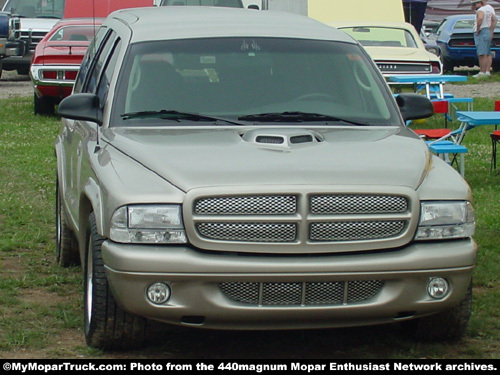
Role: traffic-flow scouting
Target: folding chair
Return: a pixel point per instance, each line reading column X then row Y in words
column 495, row 139
column 440, row 106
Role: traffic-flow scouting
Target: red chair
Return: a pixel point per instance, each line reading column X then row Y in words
column 495, row 138
column 497, row 108
column 440, row 106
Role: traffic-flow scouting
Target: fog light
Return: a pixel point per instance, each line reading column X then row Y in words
column 438, row 287
column 158, row 293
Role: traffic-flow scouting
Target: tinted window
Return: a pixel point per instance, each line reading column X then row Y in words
column 234, row 77
column 86, row 65
column 99, row 63
column 104, row 82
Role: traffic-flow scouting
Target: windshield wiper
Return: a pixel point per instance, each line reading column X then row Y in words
column 297, row 117
column 175, row 116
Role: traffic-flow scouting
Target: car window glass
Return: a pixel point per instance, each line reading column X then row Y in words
column 441, row 27
column 99, row 62
column 103, row 87
column 464, row 24
column 381, row 36
column 86, row 64
column 74, row 33
column 240, row 76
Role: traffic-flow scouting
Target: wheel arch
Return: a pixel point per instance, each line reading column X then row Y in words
column 90, row 201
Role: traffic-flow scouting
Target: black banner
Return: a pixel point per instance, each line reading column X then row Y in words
column 245, row 366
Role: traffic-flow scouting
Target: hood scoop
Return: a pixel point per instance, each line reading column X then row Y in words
column 281, row 138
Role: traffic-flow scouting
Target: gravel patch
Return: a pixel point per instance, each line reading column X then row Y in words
column 478, row 90
column 13, row 84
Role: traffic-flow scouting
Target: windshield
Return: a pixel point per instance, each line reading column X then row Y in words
column 382, row 36
column 251, row 80
column 35, row 8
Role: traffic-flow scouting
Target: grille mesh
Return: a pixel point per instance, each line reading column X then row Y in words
column 301, row 294
column 249, row 232
column 355, row 231
column 275, row 218
column 357, row 204
column 247, row 205
column 301, row 139
column 270, row 139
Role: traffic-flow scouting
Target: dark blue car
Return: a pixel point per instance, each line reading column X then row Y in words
column 455, row 37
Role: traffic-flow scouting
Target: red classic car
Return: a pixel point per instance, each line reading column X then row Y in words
column 57, row 59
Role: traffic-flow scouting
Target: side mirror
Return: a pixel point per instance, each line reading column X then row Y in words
column 414, row 106
column 81, row 107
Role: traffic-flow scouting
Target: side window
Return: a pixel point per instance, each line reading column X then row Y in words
column 103, row 87
column 86, row 65
column 99, row 62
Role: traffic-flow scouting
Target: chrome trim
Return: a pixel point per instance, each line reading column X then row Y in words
column 38, row 81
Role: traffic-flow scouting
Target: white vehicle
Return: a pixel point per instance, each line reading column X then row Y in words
column 37, row 19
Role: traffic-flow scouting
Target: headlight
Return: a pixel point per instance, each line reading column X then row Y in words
column 159, row 224
column 445, row 220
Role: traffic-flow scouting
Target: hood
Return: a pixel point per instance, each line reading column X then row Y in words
column 194, row 158
column 38, row 24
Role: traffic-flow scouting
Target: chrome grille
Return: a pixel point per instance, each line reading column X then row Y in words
column 355, row 231
column 247, row 205
column 357, row 204
column 249, row 232
column 301, row 218
column 301, row 294
column 34, row 36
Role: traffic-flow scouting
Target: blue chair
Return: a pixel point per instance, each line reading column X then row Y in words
column 444, row 148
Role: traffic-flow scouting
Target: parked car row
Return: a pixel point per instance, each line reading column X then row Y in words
column 455, row 38
column 396, row 49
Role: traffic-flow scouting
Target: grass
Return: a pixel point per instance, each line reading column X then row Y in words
column 40, row 303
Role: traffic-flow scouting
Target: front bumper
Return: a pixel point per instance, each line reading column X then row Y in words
column 466, row 56
column 197, row 298
column 18, row 62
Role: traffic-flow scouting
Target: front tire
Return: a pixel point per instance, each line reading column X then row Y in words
column 107, row 325
column 43, row 106
column 449, row 325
